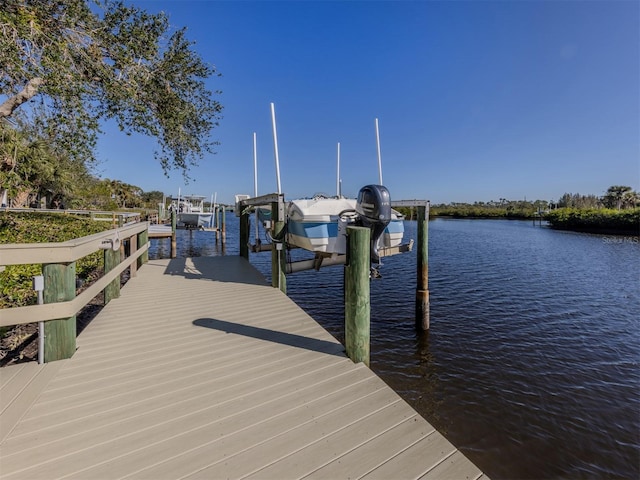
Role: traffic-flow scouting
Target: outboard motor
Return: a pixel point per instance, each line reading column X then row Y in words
column 374, row 208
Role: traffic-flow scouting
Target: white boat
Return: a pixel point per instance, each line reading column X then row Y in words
column 319, row 224
column 190, row 210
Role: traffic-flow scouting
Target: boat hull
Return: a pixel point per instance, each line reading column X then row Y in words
column 194, row 220
column 320, row 225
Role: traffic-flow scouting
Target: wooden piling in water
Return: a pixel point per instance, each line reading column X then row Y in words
column 174, row 226
column 223, row 226
column 422, row 277
column 357, row 307
column 59, row 286
column 216, row 226
column 244, row 233
column 278, row 254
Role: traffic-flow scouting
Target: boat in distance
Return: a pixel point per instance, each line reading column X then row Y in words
column 191, row 212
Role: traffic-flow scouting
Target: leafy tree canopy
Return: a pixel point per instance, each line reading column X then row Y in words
column 87, row 61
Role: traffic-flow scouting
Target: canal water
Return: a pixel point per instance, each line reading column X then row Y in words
column 531, row 365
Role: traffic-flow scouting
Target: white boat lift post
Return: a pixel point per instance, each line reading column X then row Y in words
column 379, row 155
column 338, row 192
column 275, row 147
column 212, row 211
column 255, row 187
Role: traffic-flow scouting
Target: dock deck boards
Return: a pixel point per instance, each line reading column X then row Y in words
column 201, row 370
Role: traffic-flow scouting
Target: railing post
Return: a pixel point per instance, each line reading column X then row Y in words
column 278, row 254
column 111, row 261
column 357, row 307
column 143, row 239
column 244, row 233
column 59, row 286
column 133, row 248
column 422, row 277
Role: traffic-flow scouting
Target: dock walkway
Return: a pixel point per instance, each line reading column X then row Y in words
column 202, row 370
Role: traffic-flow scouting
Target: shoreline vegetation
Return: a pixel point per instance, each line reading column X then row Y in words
column 601, row 220
column 617, row 212
column 605, row 221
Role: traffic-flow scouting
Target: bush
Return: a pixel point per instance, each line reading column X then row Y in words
column 29, row 227
column 624, row 222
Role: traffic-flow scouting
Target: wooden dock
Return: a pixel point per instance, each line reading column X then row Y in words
column 202, row 370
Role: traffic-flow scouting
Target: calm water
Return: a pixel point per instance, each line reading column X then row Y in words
column 531, row 364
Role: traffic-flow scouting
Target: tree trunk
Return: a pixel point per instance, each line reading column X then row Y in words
column 27, row 93
column 21, row 199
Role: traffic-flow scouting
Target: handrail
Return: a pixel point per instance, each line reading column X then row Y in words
column 133, row 213
column 53, row 311
column 63, row 252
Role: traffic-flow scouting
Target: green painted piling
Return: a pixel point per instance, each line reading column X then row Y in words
column 357, row 307
column 111, row 261
column 422, row 277
column 143, row 239
column 59, row 335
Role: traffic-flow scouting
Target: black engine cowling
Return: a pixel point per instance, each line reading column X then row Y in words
column 374, row 209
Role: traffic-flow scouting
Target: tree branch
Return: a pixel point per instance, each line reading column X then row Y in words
column 28, row 92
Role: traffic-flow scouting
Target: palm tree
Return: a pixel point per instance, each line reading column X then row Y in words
column 630, row 199
column 614, row 195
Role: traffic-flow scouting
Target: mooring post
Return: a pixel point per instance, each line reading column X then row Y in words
column 223, row 225
column 59, row 335
column 278, row 254
column 422, row 280
column 244, row 232
column 111, row 261
column 357, row 307
column 174, row 226
column 217, row 227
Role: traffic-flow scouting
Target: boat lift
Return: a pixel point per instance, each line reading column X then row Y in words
column 279, row 266
column 246, row 204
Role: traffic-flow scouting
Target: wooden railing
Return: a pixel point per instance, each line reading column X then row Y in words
column 58, row 264
column 118, row 219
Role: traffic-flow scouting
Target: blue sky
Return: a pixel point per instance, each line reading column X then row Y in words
column 476, row 100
